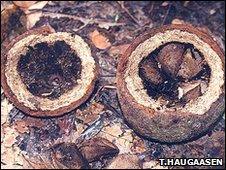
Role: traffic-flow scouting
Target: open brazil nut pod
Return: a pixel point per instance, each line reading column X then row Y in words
column 46, row 73
column 171, row 83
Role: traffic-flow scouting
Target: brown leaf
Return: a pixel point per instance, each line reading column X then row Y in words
column 91, row 113
column 12, row 158
column 115, row 51
column 20, row 126
column 67, row 155
column 38, row 5
column 33, row 17
column 37, row 162
column 5, row 109
column 13, row 22
column 9, row 136
column 34, row 122
column 97, row 148
column 24, row 4
column 138, row 146
column 125, row 161
column 153, row 165
column 115, row 134
column 65, row 125
column 177, row 21
column 99, row 40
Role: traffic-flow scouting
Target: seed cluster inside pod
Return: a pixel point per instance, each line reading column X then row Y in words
column 174, row 74
column 48, row 74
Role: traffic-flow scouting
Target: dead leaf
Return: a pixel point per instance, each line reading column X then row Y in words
column 21, row 126
column 177, row 21
column 34, row 122
column 138, row 146
column 153, row 165
column 115, row 51
column 114, row 133
column 99, row 40
column 125, row 161
column 68, row 155
column 10, row 135
column 10, row 140
column 38, row 5
column 5, row 109
column 24, row 4
column 165, row 3
column 28, row 7
column 65, row 126
column 32, row 18
column 97, row 148
column 37, row 162
column 12, row 158
column 13, row 23
column 91, row 113
column 10, row 153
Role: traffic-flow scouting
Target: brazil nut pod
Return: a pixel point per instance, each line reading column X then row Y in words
column 171, row 83
column 47, row 73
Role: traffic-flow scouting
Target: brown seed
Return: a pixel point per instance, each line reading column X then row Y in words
column 192, row 94
column 97, row 148
column 150, row 72
column 170, row 57
column 189, row 67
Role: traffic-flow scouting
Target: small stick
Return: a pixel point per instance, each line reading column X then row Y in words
column 121, row 3
column 167, row 12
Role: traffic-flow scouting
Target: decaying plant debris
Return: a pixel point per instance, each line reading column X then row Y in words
column 26, row 141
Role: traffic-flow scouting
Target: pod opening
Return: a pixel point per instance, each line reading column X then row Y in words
column 49, row 69
column 174, row 74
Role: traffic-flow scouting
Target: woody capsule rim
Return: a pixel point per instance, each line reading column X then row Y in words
column 156, row 124
column 44, row 107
